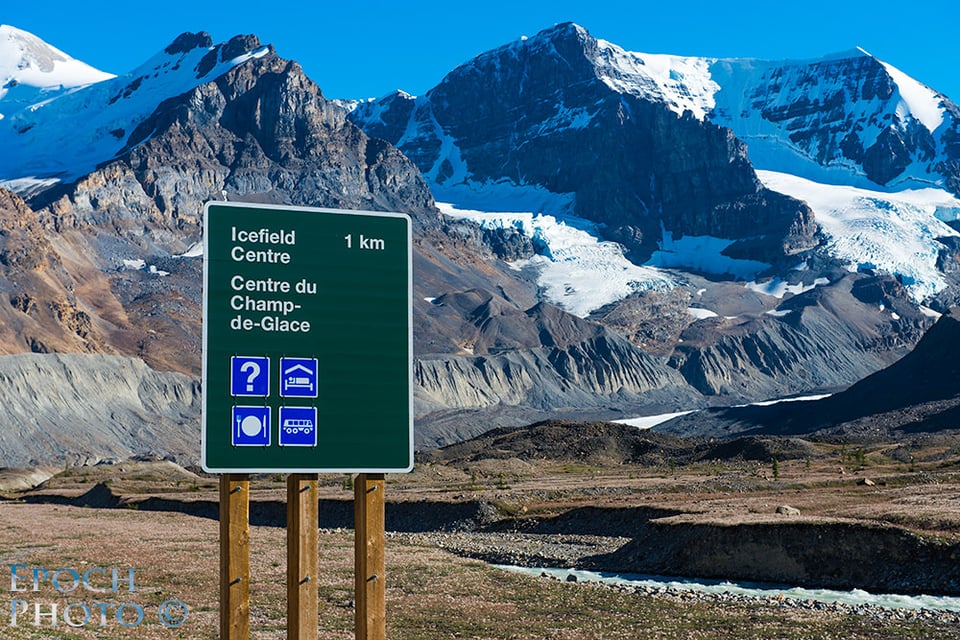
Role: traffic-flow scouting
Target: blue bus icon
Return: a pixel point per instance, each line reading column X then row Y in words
column 298, row 426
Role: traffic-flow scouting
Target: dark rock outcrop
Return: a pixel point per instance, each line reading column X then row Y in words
column 834, row 555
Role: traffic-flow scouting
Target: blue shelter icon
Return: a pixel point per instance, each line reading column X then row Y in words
column 298, row 378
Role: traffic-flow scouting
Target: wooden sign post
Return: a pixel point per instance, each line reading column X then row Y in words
column 234, row 557
column 369, row 543
column 302, row 556
column 370, row 622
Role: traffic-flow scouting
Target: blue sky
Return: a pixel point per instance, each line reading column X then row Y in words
column 367, row 49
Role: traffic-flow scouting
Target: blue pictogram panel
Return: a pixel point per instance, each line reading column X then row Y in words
column 298, row 426
column 298, row 377
column 251, row 427
column 250, row 376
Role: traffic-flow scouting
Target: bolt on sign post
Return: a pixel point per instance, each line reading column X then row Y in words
column 307, row 367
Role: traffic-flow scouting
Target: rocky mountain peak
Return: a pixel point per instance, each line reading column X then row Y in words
column 543, row 112
column 187, row 42
column 194, row 122
column 560, row 58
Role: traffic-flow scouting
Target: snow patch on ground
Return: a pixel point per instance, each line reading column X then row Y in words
column 700, row 313
column 930, row 313
column 141, row 265
column 195, row 251
column 768, row 403
column 777, row 288
column 647, row 422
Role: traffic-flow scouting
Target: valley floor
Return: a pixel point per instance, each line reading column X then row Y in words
column 444, row 522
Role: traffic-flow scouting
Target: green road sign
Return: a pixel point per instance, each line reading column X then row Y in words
column 307, row 340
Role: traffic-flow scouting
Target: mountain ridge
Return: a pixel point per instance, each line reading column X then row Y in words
column 914, row 396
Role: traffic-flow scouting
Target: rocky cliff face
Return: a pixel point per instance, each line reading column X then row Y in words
column 40, row 310
column 541, row 112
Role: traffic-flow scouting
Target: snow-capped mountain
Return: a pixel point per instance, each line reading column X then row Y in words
column 634, row 142
column 41, row 140
column 846, row 118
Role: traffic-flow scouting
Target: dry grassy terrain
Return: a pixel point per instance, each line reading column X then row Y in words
column 159, row 521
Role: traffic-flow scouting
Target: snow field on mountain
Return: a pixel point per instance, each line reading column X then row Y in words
column 894, row 233
column 731, row 93
column 777, row 288
column 27, row 62
column 703, row 254
column 683, row 84
column 917, row 99
column 575, row 270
